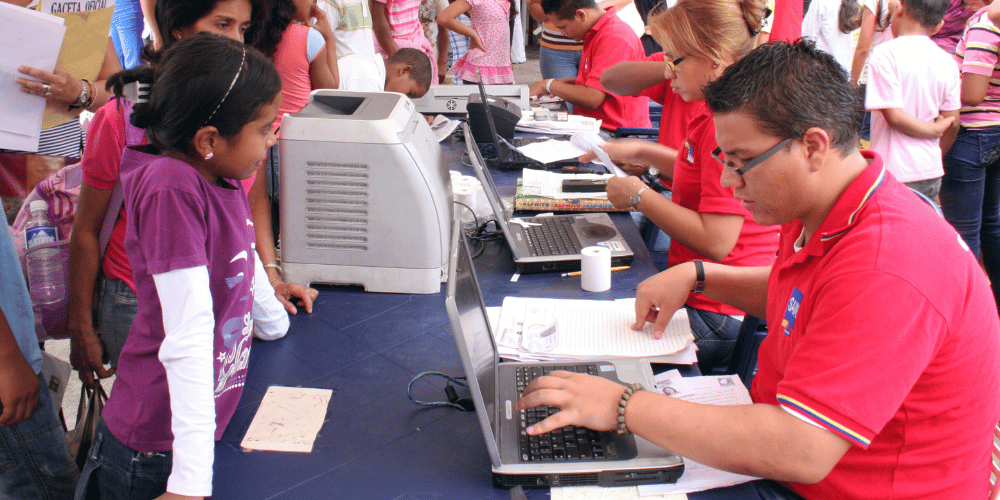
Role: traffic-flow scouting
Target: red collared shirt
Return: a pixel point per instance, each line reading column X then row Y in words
column 611, row 41
column 883, row 330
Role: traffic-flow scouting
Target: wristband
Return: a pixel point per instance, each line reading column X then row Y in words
column 699, row 285
column 638, row 196
column 548, row 86
column 629, row 391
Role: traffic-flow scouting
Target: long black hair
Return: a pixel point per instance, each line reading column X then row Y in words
column 178, row 14
column 266, row 35
column 202, row 80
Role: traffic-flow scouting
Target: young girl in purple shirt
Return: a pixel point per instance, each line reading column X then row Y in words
column 201, row 288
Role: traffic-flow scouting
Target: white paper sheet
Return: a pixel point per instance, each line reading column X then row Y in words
column 602, row 493
column 31, row 39
column 551, row 150
column 711, row 389
column 288, row 419
column 590, row 141
column 442, row 126
column 590, row 329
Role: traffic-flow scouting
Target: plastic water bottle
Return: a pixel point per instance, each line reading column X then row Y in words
column 46, row 275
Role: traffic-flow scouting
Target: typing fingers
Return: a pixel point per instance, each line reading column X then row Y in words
column 559, row 420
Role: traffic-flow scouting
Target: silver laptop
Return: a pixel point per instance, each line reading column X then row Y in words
column 549, row 243
column 567, row 456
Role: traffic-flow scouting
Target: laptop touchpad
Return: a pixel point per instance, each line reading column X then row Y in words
column 598, row 231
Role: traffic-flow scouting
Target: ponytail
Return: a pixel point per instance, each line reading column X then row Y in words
column 127, row 82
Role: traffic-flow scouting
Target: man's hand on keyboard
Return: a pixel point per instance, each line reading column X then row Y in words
column 584, row 400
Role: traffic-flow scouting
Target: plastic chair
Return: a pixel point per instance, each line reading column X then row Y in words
column 744, row 359
column 655, row 115
column 995, row 462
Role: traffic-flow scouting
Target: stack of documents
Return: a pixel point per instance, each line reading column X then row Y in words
column 549, row 184
column 574, row 123
column 531, row 329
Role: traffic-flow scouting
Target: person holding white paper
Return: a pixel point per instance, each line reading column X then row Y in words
column 67, row 95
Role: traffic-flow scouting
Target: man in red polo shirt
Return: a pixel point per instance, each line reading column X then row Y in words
column 880, row 371
column 606, row 40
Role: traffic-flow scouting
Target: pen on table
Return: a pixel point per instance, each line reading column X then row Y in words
column 577, row 273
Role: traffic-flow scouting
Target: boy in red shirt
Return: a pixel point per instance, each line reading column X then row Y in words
column 606, row 40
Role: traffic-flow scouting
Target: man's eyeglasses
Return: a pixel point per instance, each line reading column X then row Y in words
column 751, row 163
column 673, row 64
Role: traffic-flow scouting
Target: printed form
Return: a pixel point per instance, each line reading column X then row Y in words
column 30, row 38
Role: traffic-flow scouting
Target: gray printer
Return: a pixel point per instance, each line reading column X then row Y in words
column 364, row 196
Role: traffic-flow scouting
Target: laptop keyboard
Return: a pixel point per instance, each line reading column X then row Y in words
column 555, row 236
column 567, row 443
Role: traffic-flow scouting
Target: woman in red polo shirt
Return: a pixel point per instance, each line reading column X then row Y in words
column 700, row 39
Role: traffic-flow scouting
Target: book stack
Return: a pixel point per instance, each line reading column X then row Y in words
column 540, row 203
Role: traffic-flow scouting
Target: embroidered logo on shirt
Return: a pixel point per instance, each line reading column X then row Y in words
column 791, row 311
column 690, row 151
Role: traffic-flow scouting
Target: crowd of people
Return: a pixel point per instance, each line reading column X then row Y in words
column 833, row 169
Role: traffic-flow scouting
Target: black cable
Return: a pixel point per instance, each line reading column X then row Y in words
column 464, row 404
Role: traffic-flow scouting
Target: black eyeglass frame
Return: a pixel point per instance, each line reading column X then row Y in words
column 753, row 162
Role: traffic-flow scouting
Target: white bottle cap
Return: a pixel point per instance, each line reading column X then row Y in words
column 39, row 205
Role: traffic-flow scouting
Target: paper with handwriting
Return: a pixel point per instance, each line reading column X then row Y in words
column 288, row 419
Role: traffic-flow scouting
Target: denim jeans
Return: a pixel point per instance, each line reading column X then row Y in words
column 970, row 194
column 118, row 308
column 761, row 489
column 715, row 335
column 866, row 126
column 35, row 461
column 559, row 64
column 116, row 472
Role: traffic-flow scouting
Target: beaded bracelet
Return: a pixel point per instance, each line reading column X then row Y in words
column 631, row 389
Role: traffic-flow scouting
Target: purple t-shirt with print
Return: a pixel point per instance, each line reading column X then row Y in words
column 179, row 220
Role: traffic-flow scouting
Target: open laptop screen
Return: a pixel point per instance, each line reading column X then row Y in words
column 483, row 173
column 475, row 330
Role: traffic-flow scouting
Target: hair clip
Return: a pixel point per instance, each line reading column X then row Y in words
column 136, row 92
